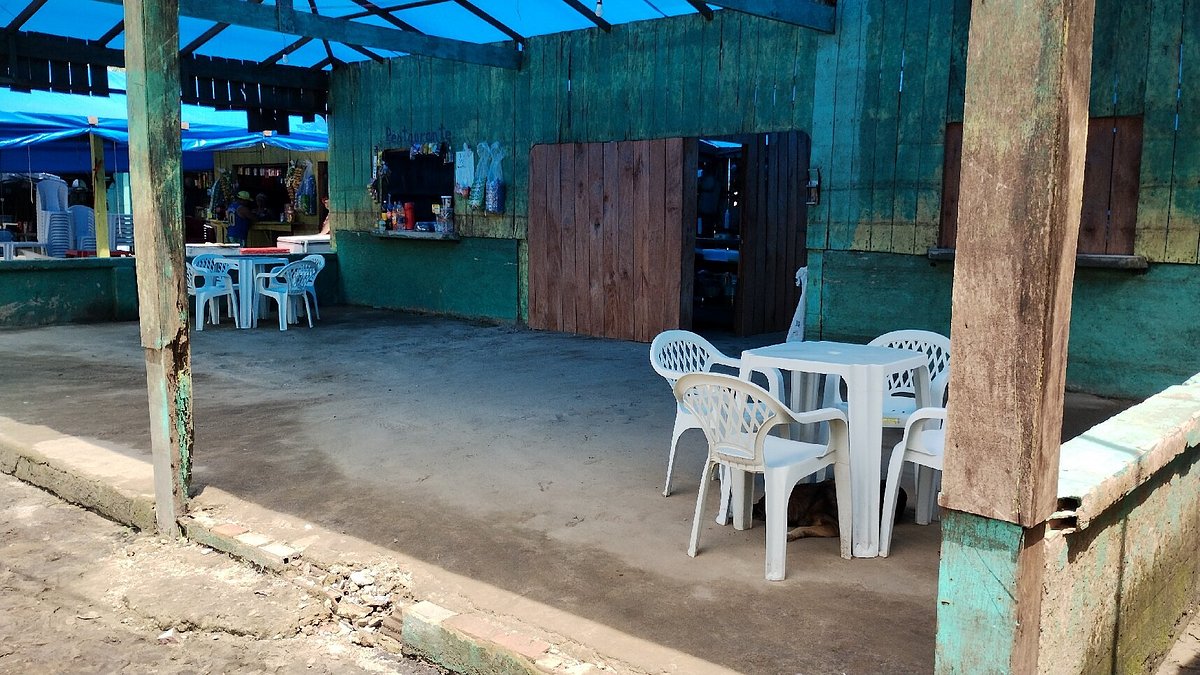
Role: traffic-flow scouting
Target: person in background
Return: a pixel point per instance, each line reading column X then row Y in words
column 325, row 220
column 241, row 216
column 263, row 210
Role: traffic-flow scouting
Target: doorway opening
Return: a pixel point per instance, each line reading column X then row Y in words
column 719, row 187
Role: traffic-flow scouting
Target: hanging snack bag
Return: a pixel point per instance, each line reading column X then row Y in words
column 479, row 182
column 494, row 200
column 464, row 171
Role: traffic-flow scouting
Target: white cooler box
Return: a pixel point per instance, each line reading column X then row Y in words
column 309, row 243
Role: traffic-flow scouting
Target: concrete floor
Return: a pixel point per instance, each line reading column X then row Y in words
column 531, row 462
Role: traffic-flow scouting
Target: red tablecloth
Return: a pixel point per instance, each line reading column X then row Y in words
column 264, row 250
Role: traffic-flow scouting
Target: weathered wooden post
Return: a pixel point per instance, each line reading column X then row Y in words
column 99, row 195
column 1024, row 137
column 152, row 62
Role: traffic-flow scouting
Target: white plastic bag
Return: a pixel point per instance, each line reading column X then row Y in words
column 479, row 183
column 464, row 171
column 495, row 181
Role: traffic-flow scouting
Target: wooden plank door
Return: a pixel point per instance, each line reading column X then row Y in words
column 611, row 250
column 774, row 228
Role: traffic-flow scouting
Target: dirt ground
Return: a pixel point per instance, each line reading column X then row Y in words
column 530, row 462
column 81, row 594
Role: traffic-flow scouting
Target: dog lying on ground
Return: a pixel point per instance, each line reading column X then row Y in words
column 812, row 510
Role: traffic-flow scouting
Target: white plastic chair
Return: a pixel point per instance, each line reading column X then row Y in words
column 736, row 417
column 83, row 223
column 213, row 262
column 675, row 353
column 924, row 445
column 312, row 287
column 899, row 399
column 120, row 231
column 282, row 284
column 206, row 285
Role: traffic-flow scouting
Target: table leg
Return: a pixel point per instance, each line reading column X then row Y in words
column 865, row 397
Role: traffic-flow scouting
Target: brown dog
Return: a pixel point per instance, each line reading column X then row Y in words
column 812, row 510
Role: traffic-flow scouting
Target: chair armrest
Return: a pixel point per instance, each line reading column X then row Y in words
column 921, row 418
column 819, row 415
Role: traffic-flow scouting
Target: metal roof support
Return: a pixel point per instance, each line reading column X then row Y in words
column 589, row 15
column 806, row 13
column 350, row 32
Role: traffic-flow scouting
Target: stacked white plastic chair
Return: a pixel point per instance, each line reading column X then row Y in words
column 282, row 284
column 50, row 197
column 737, row 417
column 83, row 222
column 59, row 234
column 120, row 232
column 207, row 280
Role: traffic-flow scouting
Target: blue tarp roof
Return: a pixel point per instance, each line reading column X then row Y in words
column 90, row 20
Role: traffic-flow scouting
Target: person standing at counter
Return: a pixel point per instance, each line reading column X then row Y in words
column 325, row 220
column 241, row 216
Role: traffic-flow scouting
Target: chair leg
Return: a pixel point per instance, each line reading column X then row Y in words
column 680, row 426
column 723, row 514
column 316, row 310
column 200, row 312
column 282, row 303
column 702, row 493
column 887, row 517
column 778, row 494
column 233, row 311
column 307, row 310
column 926, row 495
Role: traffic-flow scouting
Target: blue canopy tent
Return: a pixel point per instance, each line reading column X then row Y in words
column 46, row 131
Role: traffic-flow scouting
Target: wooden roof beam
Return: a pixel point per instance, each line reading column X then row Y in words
column 806, row 13
column 374, row 10
column 25, row 15
column 207, row 35
column 292, row 22
column 589, row 15
column 491, row 20
column 112, row 33
column 703, row 8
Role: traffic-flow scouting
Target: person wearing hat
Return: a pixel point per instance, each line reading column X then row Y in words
column 241, row 215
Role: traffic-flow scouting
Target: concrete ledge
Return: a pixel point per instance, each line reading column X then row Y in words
column 122, row 504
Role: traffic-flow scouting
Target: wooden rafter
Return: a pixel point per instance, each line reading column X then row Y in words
column 207, row 35
column 25, row 15
column 312, row 6
column 589, row 15
column 292, row 22
column 112, row 33
column 368, row 53
column 703, row 8
column 491, row 20
column 374, row 10
column 807, row 13
column 274, row 58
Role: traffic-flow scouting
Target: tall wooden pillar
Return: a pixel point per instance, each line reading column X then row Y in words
column 99, row 195
column 152, row 62
column 1024, row 135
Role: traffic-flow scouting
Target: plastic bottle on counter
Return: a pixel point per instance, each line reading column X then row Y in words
column 410, row 215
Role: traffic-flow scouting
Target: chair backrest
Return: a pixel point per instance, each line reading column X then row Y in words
column 934, row 346
column 5, row 235
column 675, row 353
column 298, row 275
column 318, row 259
column 211, row 262
column 191, row 278
column 734, row 414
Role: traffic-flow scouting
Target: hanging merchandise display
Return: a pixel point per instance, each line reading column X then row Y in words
column 464, row 171
column 494, row 200
column 479, row 181
column 308, row 191
column 221, row 195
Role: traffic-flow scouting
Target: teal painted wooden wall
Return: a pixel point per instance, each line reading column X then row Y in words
column 39, row 293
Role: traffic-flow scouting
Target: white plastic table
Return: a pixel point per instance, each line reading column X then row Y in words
column 865, row 369
column 248, row 266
